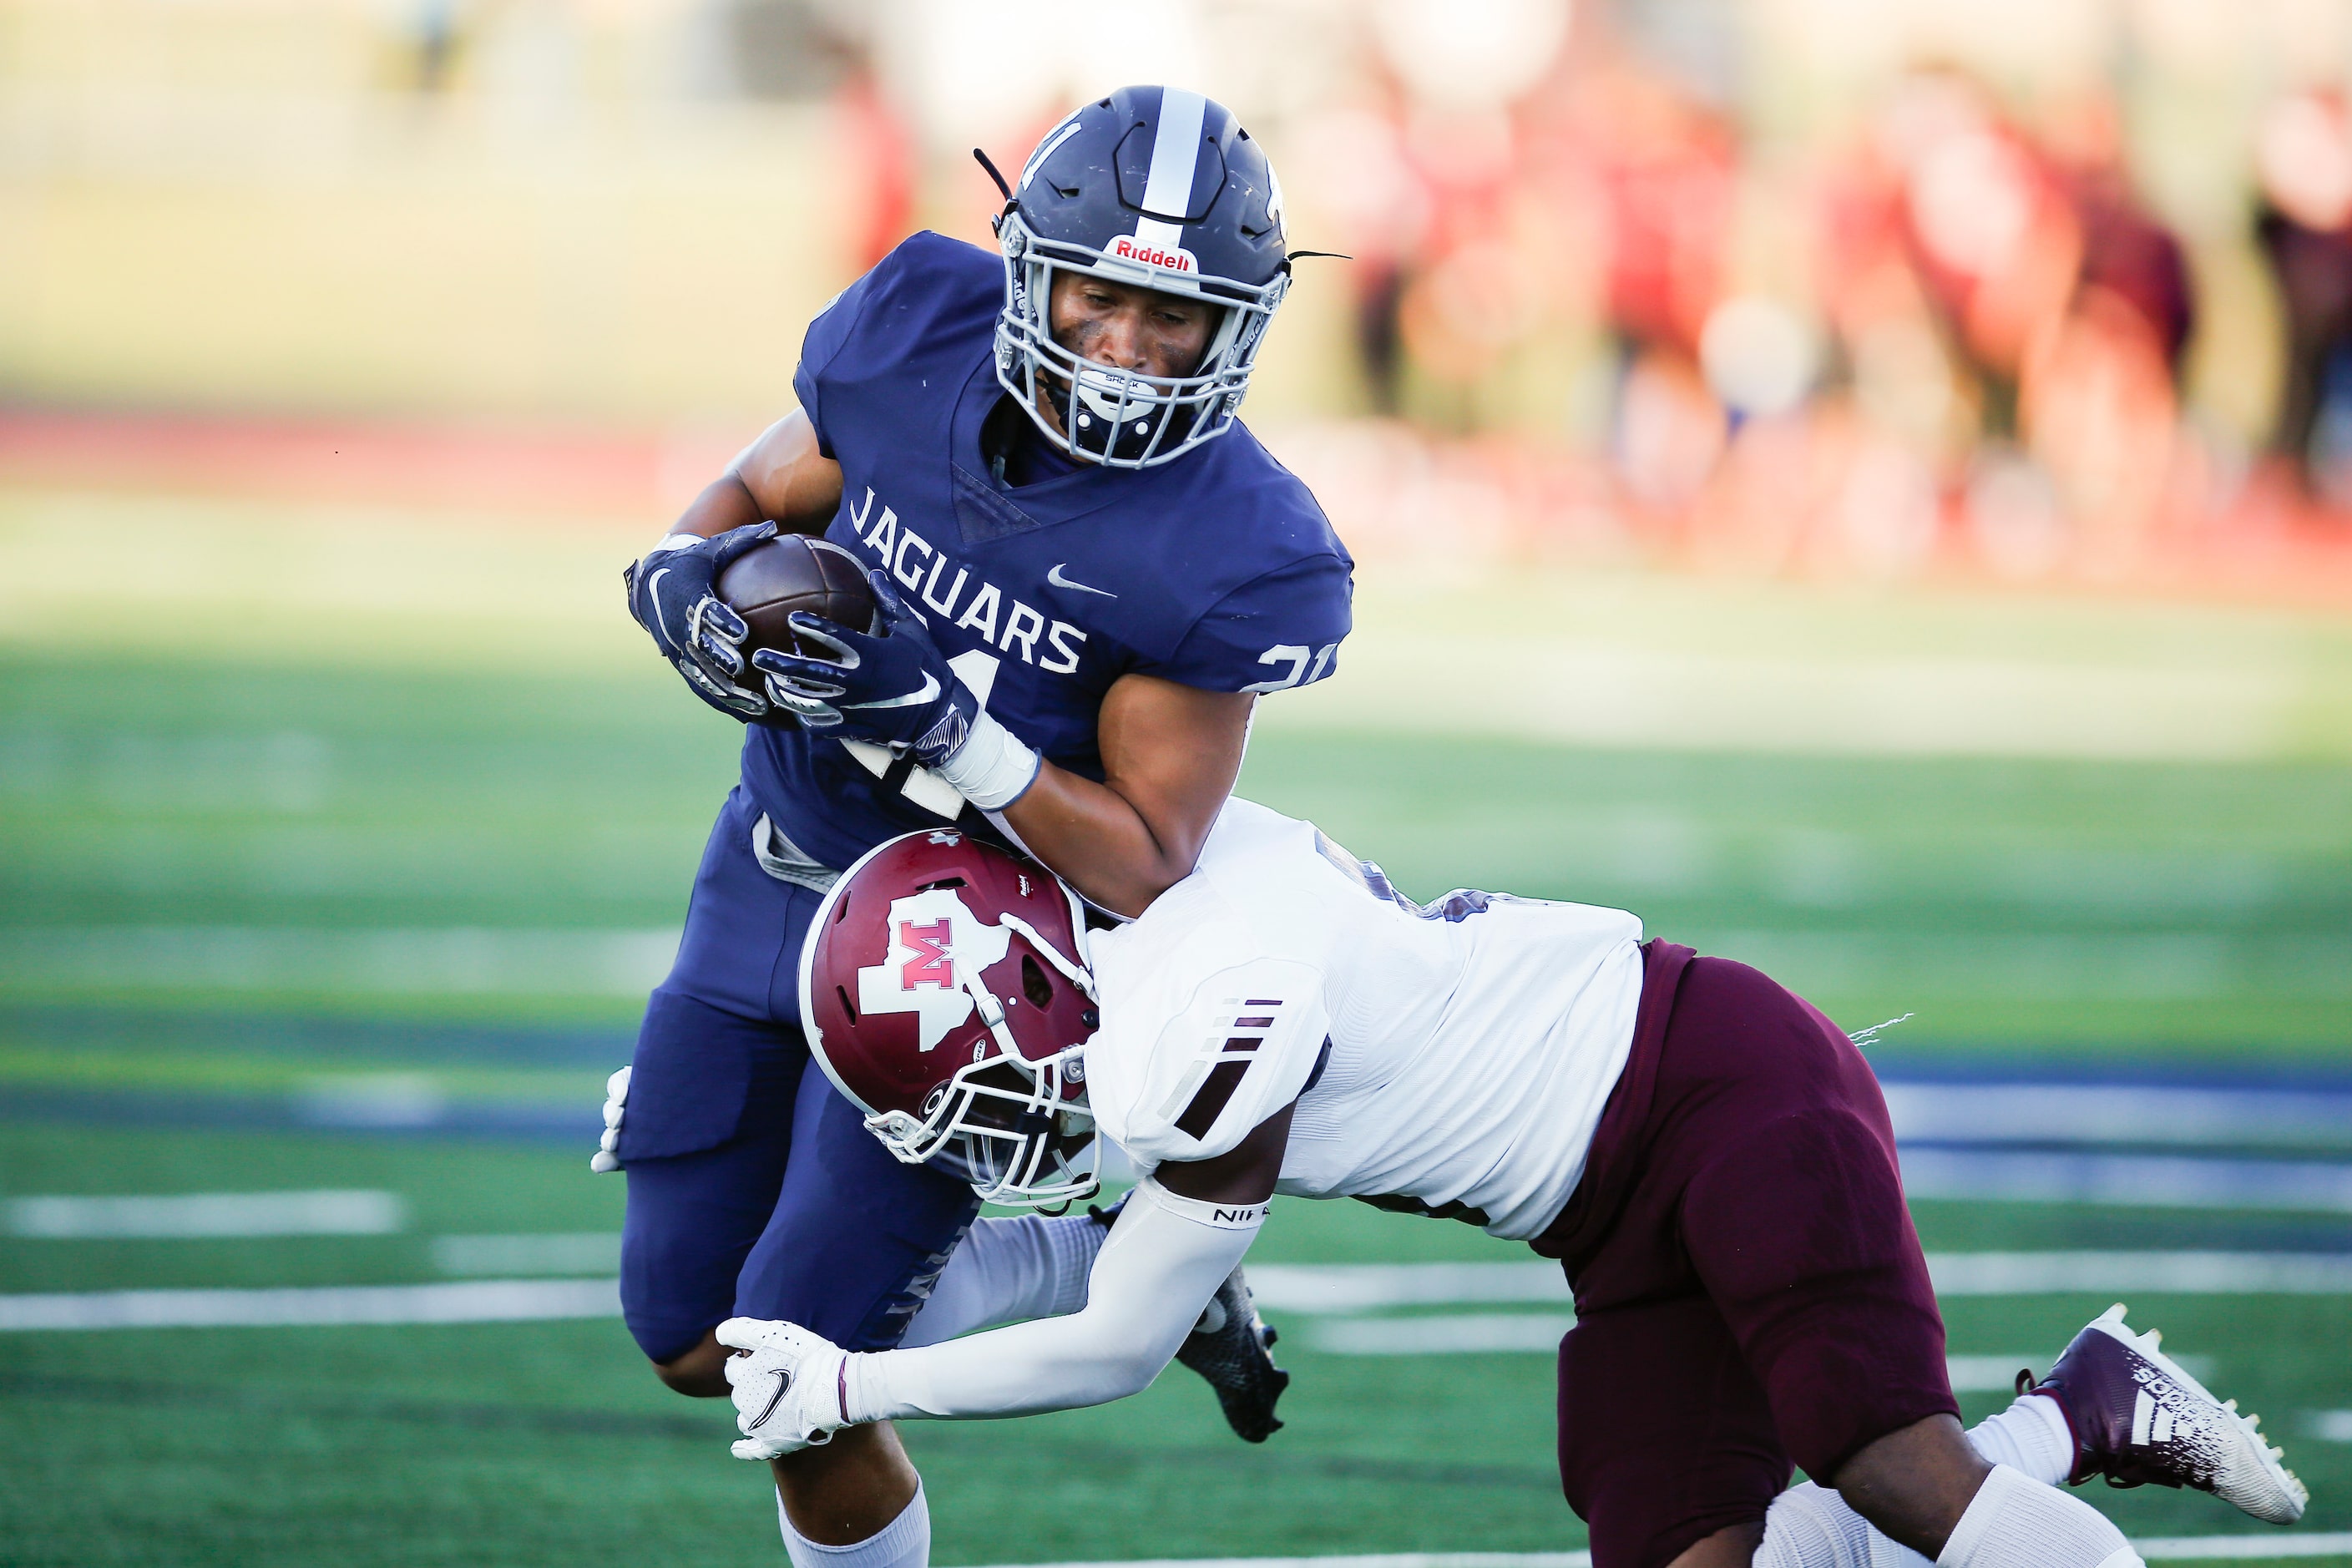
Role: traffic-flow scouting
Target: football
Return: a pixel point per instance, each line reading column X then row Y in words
column 792, row 571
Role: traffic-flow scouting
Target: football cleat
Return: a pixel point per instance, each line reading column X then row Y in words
column 2139, row 1419
column 1232, row 1349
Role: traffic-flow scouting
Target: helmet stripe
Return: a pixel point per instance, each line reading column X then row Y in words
column 1175, row 153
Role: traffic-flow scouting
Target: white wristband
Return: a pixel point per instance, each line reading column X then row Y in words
column 991, row 769
column 675, row 542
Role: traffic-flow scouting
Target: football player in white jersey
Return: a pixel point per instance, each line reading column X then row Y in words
column 1707, row 1155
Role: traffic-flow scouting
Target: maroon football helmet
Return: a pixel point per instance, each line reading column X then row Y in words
column 944, row 989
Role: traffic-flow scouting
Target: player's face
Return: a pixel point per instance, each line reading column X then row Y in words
column 1159, row 335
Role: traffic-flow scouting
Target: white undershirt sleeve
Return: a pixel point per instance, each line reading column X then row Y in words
column 1163, row 1260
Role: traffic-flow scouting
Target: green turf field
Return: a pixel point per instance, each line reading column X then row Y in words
column 2114, row 903
column 259, row 852
column 548, row 1443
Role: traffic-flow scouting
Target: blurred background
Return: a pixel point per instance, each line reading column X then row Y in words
column 1885, row 466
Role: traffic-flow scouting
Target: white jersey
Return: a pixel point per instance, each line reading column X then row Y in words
column 1457, row 1056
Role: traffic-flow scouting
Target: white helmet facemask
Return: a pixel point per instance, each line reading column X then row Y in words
column 1109, row 416
column 1007, row 1124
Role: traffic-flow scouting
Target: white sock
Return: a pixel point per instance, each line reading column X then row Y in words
column 1816, row 1529
column 2030, row 1437
column 1009, row 1271
column 904, row 1543
column 2016, row 1522
column 1809, row 1526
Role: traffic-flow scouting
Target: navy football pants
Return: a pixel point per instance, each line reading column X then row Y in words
column 754, row 1188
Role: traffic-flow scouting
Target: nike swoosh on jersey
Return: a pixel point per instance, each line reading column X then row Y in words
column 912, row 699
column 1054, row 577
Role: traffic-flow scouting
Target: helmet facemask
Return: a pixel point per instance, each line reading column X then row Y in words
column 1016, row 1127
column 1108, row 416
column 1013, row 1135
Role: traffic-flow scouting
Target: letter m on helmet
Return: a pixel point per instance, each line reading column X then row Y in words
column 932, row 945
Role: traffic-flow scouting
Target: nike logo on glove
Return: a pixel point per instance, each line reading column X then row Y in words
column 653, row 597
column 1054, row 577
column 784, row 1386
column 913, row 700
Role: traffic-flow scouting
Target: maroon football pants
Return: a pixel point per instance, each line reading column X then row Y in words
column 1749, row 1289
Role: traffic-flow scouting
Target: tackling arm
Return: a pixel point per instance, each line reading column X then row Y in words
column 1180, row 1234
column 1171, row 754
column 1162, row 1261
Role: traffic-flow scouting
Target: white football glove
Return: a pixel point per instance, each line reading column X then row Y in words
column 617, row 1099
column 789, row 1386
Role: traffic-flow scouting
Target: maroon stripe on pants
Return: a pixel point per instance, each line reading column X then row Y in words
column 1750, row 1290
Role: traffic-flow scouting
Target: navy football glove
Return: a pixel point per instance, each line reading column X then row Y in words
column 670, row 596
column 893, row 689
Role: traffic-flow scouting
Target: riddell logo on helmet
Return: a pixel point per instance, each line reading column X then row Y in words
column 1126, row 247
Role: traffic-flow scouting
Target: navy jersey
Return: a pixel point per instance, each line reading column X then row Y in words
column 1216, row 570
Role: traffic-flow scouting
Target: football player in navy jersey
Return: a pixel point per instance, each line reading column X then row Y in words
column 1087, row 571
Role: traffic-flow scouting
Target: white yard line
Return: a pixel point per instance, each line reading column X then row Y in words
column 462, row 961
column 1467, row 1333
column 2165, row 1273
column 1329, row 1291
column 1341, row 1287
column 321, row 1212
column 2138, row 1181
column 1532, row 1334
column 544, row 1252
column 1358, row 1287
column 1993, row 1374
column 481, row 1301
column 2180, row 1115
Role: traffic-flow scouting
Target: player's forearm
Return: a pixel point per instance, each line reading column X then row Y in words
column 724, row 503
column 1025, row 1369
column 1094, row 837
column 1161, row 1263
column 781, row 477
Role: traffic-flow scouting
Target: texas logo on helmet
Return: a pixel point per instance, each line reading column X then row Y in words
column 933, row 936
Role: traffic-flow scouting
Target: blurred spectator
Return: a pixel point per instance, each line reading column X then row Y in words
column 2127, row 254
column 434, row 34
column 879, row 152
column 1667, row 167
column 1356, row 163
column 2100, row 406
column 2304, row 162
column 1993, row 240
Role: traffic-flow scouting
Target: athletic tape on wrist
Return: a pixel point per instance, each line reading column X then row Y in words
column 991, row 769
column 675, row 542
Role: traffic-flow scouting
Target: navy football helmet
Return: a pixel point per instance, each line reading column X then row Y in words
column 1158, row 188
